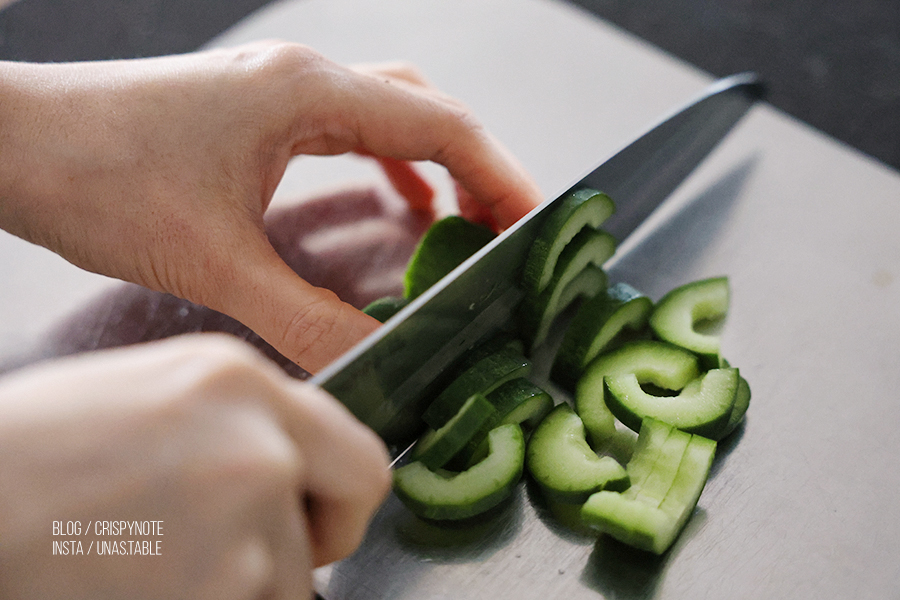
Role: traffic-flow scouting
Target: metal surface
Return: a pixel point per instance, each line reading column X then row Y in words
column 387, row 380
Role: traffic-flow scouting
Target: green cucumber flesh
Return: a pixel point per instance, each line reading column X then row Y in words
column 579, row 209
column 678, row 313
column 703, row 406
column 522, row 402
column 436, row 447
column 650, row 443
column 537, row 318
column 597, row 327
column 483, row 377
column 385, row 308
column 447, row 496
column 662, row 364
column 741, row 404
column 445, row 246
column 659, row 480
column 638, row 517
column 561, row 461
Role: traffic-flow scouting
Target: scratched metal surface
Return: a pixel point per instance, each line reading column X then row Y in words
column 802, row 502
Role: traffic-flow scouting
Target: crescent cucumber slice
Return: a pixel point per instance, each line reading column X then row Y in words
column 664, row 365
column 483, row 377
column 703, row 406
column 445, row 246
column 581, row 208
column 437, row 446
column 451, row 496
column 643, row 516
column 598, row 327
column 561, row 461
column 589, row 249
column 678, row 313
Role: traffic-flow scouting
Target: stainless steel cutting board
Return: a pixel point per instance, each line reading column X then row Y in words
column 802, row 503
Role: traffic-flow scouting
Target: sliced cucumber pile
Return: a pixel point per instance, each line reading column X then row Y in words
column 654, row 369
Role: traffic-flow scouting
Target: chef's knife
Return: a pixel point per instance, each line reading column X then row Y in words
column 387, row 378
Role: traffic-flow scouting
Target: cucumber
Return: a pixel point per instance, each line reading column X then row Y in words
column 741, row 403
column 520, row 401
column 644, row 516
column 517, row 402
column 663, row 364
column 385, row 308
column 537, row 318
column 445, row 246
column 650, row 443
column 538, row 310
column 436, row 447
column 449, row 496
column 579, row 209
column 598, row 327
column 703, row 406
column 483, row 377
column 561, row 461
column 679, row 312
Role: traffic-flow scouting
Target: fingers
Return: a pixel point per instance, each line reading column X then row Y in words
column 347, row 473
column 309, row 325
column 397, row 116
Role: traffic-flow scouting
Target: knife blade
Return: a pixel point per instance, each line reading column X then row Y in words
column 388, row 377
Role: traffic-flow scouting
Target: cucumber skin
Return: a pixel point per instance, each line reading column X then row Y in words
column 542, row 257
column 384, row 308
column 474, row 419
column 590, row 393
column 445, row 246
column 579, row 345
column 632, row 409
column 674, row 316
column 653, row 525
column 562, row 432
column 481, row 378
column 416, row 486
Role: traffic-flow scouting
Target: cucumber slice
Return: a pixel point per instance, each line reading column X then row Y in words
column 639, row 517
column 741, row 404
column 598, row 327
column 562, row 462
column 659, row 480
column 650, row 443
column 436, row 447
column 678, row 312
column 445, row 496
column 520, row 401
column 483, row 377
column 693, row 473
column 385, row 308
column 703, row 406
column 445, row 246
column 631, row 521
column 582, row 208
column 662, row 364
column 537, row 317
column 538, row 310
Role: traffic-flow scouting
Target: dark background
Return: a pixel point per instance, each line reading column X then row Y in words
column 834, row 64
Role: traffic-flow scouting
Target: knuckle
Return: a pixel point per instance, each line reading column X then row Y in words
column 311, row 325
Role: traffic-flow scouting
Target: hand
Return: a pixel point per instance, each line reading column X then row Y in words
column 256, row 477
column 159, row 171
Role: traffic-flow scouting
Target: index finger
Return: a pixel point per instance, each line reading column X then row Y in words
column 393, row 118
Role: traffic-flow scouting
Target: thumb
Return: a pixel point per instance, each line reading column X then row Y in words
column 309, row 325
